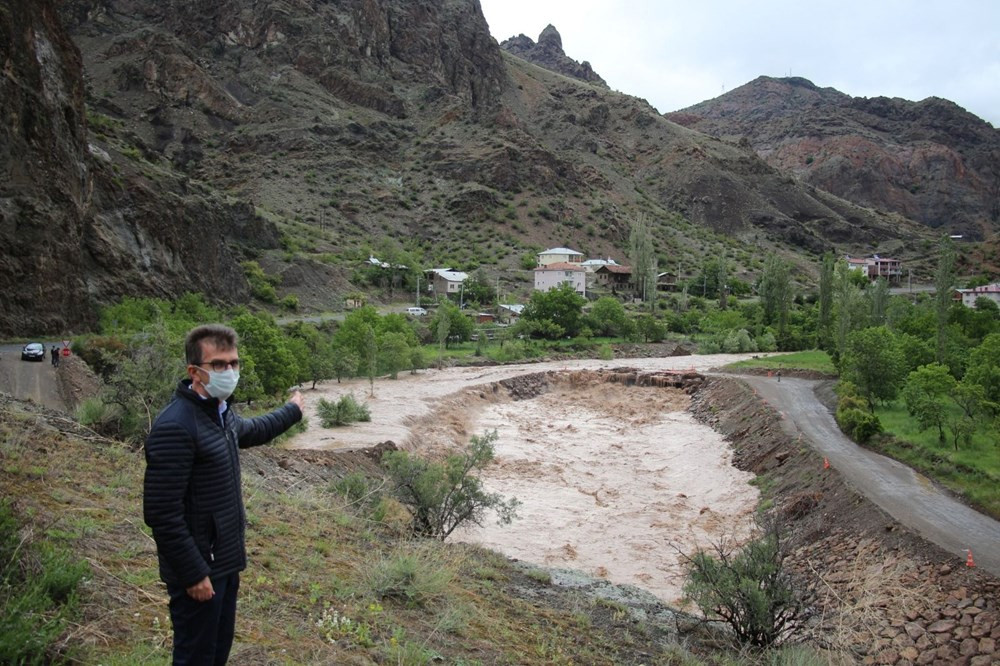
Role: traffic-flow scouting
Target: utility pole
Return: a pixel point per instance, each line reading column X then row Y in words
column 461, row 297
column 418, row 290
column 498, row 295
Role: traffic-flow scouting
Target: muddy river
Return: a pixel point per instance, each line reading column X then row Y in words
column 614, row 481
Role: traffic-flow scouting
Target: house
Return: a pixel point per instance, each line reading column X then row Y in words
column 559, row 255
column 553, row 275
column 444, row 281
column 614, row 277
column 969, row 296
column 875, row 267
column 510, row 311
column 667, row 282
column 593, row 264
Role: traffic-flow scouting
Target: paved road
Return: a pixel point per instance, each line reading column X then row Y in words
column 29, row 380
column 904, row 494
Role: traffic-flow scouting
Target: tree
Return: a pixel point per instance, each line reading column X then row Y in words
column 442, row 496
column 944, row 283
column 873, row 361
column 824, row 328
column 456, row 325
column 775, row 291
column 642, row 255
column 879, row 294
column 345, row 362
column 261, row 339
column 848, row 307
column 143, row 381
column 313, row 349
column 926, row 396
column 394, row 353
column 607, row 318
column 650, row 329
column 984, row 367
column 351, row 333
column 370, row 358
column 561, row 307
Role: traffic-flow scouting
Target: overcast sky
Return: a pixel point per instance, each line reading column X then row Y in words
column 678, row 53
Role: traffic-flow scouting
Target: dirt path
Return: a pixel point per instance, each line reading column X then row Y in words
column 907, row 496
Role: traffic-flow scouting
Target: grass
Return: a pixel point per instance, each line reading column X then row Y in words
column 814, row 360
column 972, row 471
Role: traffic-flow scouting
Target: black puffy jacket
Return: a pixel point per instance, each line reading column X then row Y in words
column 192, row 497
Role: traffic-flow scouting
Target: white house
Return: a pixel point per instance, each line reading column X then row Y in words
column 552, row 275
column 969, row 296
column 875, row 267
column 559, row 255
column 446, row 281
column 593, row 264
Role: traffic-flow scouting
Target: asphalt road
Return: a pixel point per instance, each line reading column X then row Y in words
column 909, row 497
column 29, row 380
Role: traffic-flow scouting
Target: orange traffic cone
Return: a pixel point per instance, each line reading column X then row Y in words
column 826, row 464
column 968, row 560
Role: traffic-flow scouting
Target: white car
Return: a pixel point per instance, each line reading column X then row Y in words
column 416, row 312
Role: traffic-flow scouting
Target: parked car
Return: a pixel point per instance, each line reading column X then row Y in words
column 33, row 351
column 416, row 312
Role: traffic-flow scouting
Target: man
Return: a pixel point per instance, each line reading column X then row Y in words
column 192, row 496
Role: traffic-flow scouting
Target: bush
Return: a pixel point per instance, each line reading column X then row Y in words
column 748, row 589
column 416, row 577
column 344, row 411
column 859, row 424
column 443, row 495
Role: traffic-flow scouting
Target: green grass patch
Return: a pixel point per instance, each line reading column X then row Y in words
column 815, row 360
column 972, row 471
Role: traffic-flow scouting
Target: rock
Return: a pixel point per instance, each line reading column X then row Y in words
column 968, row 647
column 548, row 53
column 913, row 630
column 909, row 653
column 942, row 626
column 987, row 646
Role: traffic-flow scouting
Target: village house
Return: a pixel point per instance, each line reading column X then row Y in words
column 593, row 264
column 875, row 267
column 509, row 312
column 444, row 281
column 552, row 275
column 559, row 255
column 614, row 277
column 969, row 296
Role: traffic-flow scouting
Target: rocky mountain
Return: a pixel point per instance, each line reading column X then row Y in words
column 548, row 53
column 930, row 161
column 304, row 135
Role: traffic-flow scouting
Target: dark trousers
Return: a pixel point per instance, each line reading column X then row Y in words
column 203, row 630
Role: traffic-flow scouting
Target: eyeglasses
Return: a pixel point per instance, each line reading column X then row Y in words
column 219, row 365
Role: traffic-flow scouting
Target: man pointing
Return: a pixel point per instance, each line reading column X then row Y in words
column 192, row 498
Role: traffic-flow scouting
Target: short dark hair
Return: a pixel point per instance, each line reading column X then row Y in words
column 221, row 336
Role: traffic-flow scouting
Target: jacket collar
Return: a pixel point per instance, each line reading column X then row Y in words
column 210, row 405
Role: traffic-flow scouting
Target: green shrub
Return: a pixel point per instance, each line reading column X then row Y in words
column 417, row 577
column 344, row 411
column 859, row 424
column 443, row 495
column 748, row 589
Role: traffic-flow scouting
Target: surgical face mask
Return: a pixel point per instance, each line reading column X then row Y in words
column 221, row 384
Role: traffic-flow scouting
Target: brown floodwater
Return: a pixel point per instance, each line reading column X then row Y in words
column 617, row 482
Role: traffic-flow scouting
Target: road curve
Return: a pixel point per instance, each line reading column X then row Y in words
column 909, row 497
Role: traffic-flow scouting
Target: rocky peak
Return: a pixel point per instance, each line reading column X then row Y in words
column 885, row 153
column 548, row 53
column 550, row 39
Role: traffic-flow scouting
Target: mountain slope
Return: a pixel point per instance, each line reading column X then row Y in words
column 930, row 161
column 305, row 135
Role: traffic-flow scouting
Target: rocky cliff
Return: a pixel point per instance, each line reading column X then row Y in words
column 548, row 53
column 930, row 161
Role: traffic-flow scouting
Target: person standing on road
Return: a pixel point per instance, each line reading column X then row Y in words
column 55, row 356
column 192, row 497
